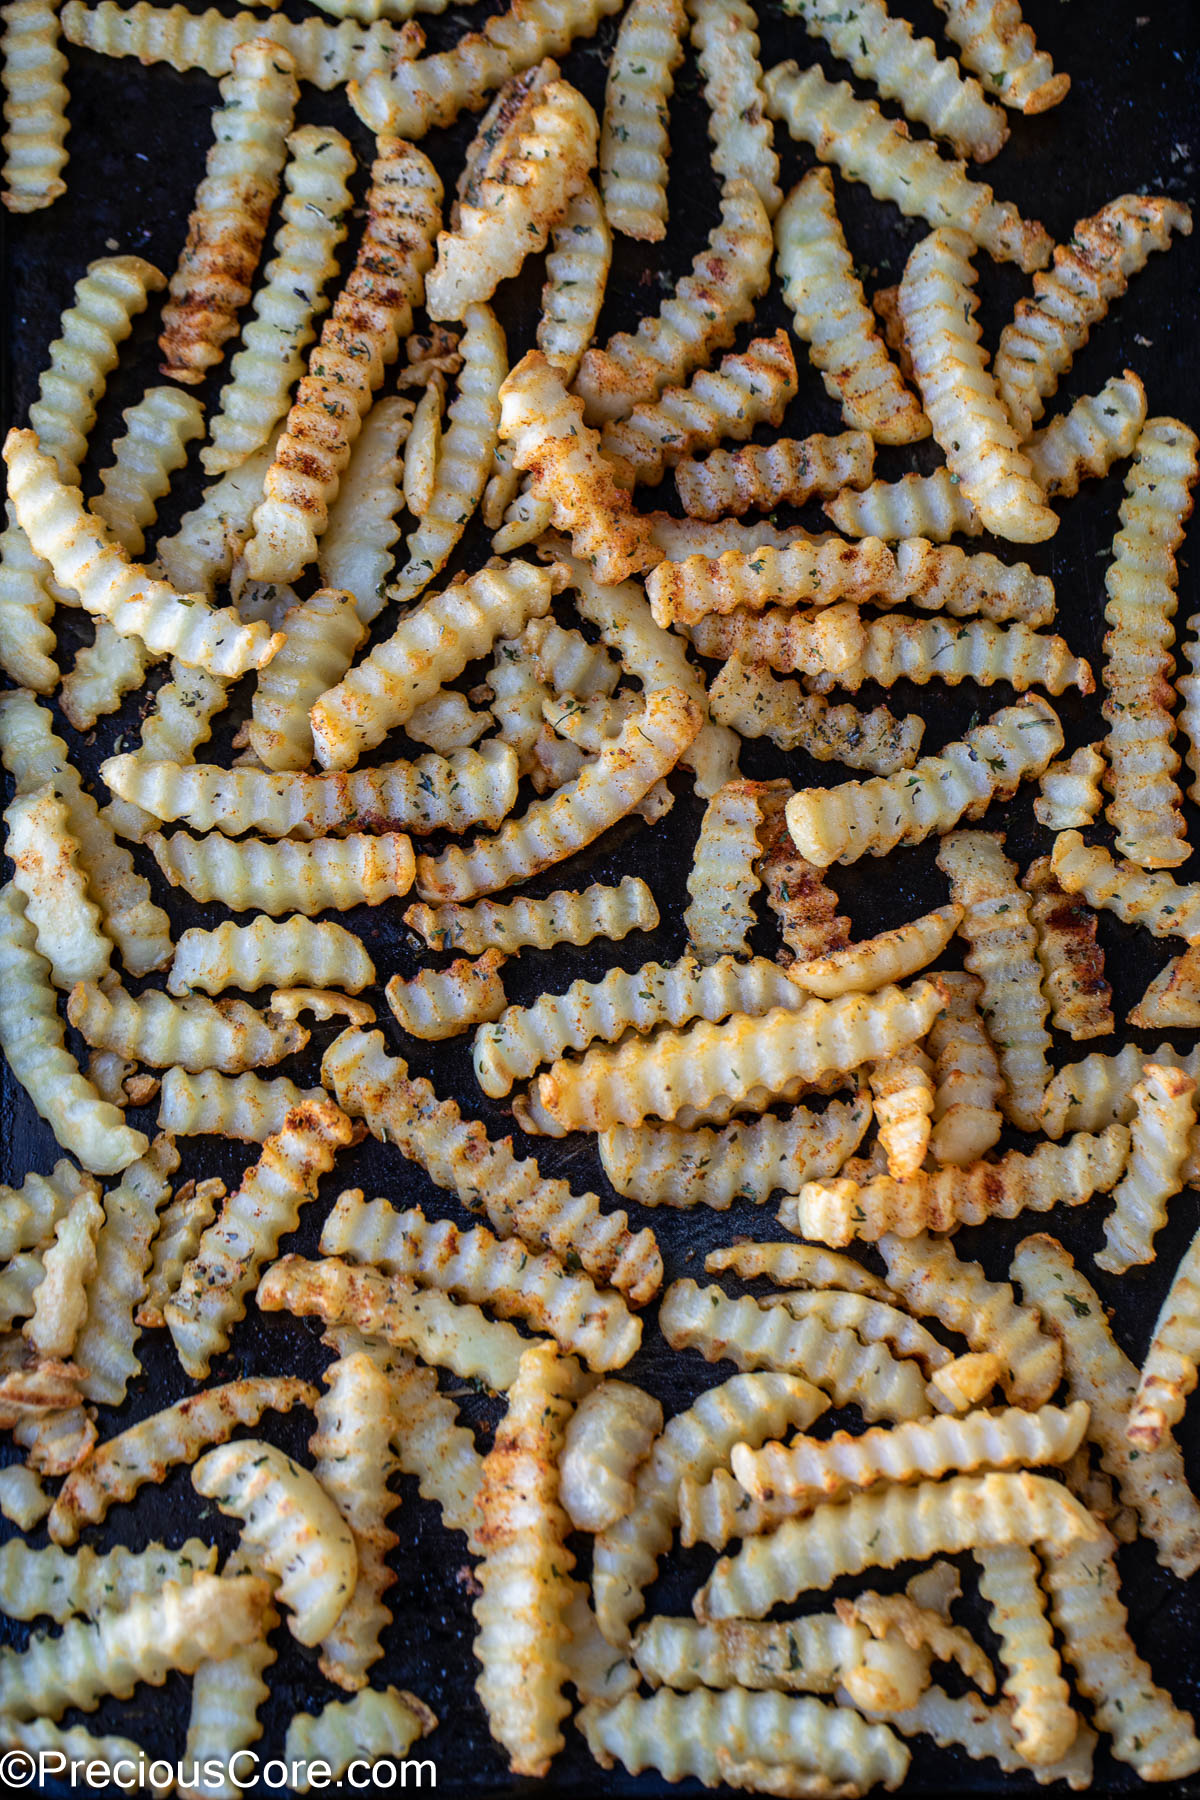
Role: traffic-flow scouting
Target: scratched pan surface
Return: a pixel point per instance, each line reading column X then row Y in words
column 138, row 140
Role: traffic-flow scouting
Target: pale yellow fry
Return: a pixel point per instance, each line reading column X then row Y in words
column 892, row 956
column 635, row 138
column 994, row 40
column 1164, row 1116
column 1168, row 1372
column 35, row 106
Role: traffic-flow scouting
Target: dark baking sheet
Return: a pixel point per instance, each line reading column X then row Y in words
column 138, row 143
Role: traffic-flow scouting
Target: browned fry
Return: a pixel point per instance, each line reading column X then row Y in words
column 805, row 907
column 1072, row 961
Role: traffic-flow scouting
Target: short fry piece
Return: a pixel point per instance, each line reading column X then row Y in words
column 608, row 1437
column 440, row 1003
column 196, row 1033
column 1069, row 798
column 892, row 956
column 1164, row 1115
column 994, row 40
column 722, row 880
column 321, row 635
column 1072, row 961
column 378, row 1724
column 794, row 470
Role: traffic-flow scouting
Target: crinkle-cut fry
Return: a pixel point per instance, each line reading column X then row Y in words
column 596, row 1674
column 57, row 1584
column 758, row 1336
column 440, row 1003
column 545, row 427
column 931, row 1280
column 486, row 1271
column 532, row 152
column 359, row 869
column 428, row 794
column 1085, row 442
column 1171, row 999
column 608, row 1438
column 829, row 638
column 801, row 900
column 825, row 297
column 525, row 1565
column 228, row 1035
column 766, row 1742
column 158, row 429
column 762, row 476
column 1043, row 1718
column 1003, row 952
column 681, row 593
column 27, row 642
column 933, row 507
column 432, row 645
column 290, row 1525
column 486, row 1176
column 855, row 136
column 663, row 1165
column 1141, row 582
column 698, row 319
column 18, row 1283
column 209, row 1104
column 903, row 1094
column 656, row 658
column 353, row 1461
column 355, row 551
column 1088, row 272
column 179, row 1627
column 1147, row 1730
column 211, row 537
column 1098, row 1091
column 33, row 1040
column 994, row 40
column 882, row 49
column 468, row 445
column 897, row 1524
column 1151, row 899
column 792, row 1479
column 750, row 387
column 607, row 788
column 144, row 1452
column 745, row 1409
column 843, row 1211
column 181, row 1225
column 35, row 106
column 899, row 647
column 30, row 1214
column 938, row 304
column 447, row 722
column 270, row 953
column 873, row 963
column 378, row 1724
column 1164, row 1114
column 635, row 137
column 563, row 917
column 60, row 1301
column 1094, row 1487
column 811, row 1654
column 370, row 314
column 723, row 880
column 179, row 721
column 292, row 295
column 55, row 1442
column 1168, row 1373
column 725, row 36
column 1152, row 1482
column 796, row 1265
column 872, row 1319
column 103, row 672
column 986, row 1734
column 73, row 1742
column 1069, row 797
column 85, row 557
column 211, row 1296
column 899, row 1615
column 108, row 1335
column 321, row 635
column 227, row 1695
column 693, row 1066
column 228, row 222
column 47, row 872
column 328, row 56
column 748, row 697
column 1072, row 961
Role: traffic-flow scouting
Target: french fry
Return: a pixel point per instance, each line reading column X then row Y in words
column 1086, row 441
column 892, row 956
column 377, row 1724
column 58, row 1584
column 831, row 315
column 636, row 134
column 871, row 1318
column 1164, row 1116
column 27, row 641
column 1168, row 1373
column 228, row 1035
column 182, row 1224
column 35, row 107
column 267, row 953
column 228, row 222
column 722, row 880
column 931, row 1280
column 47, row 873
column 753, row 1336
column 1142, row 764
column 608, row 1437
column 255, row 398
column 485, row 1175
column 422, row 448
column 937, row 305
column 486, row 1271
column 1088, row 272
column 559, row 918
column 681, row 593
column 1171, row 998
column 354, row 554
column 1069, row 798
column 1152, row 1482
column 321, row 636
column 30, row 1214
column 868, row 147
column 60, row 1301
column 804, row 905
column 745, row 1409
column 899, row 1524
column 986, row 1732
column 899, row 1616
column 843, row 1211
column 750, row 699
column 698, row 319
column 1098, row 1091
column 927, row 506
column 1043, row 1718
column 439, row 1003
column 292, row 1527
column 994, row 40
column 903, row 1094
column 811, row 1654
column 762, row 475
column 23, row 1499
column 1072, row 962
column 153, row 446
column 227, row 1694
column 108, row 1334
column 725, row 35
column 898, row 647
column 290, row 875
column 1152, row 900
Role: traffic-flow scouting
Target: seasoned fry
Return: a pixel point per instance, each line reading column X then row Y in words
column 892, row 956
column 287, row 876
column 902, row 1090
column 683, row 592
column 60, row 1302
column 153, row 446
column 1069, row 797
column 831, row 315
column 268, row 954
column 897, row 647
column 1154, row 901
column 725, row 35
column 873, row 817
column 608, row 1437
column 868, row 147
column 1086, row 441
column 228, row 1035
column 937, row 305
column 23, row 1499
column 748, row 697
column 1171, row 998
column 811, row 1654
column 228, row 223
column 722, row 881
column 1043, row 1719
column 762, row 475
column 180, row 1227
column 1164, row 1115
column 377, row 1725
column 321, row 635
column 1168, row 1372
column 994, row 40
column 635, row 138
column 1072, row 961
column 35, row 106
column 47, row 873
column 228, row 1691
column 354, row 554
column 577, row 265
column 439, row 1003
column 558, row 918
